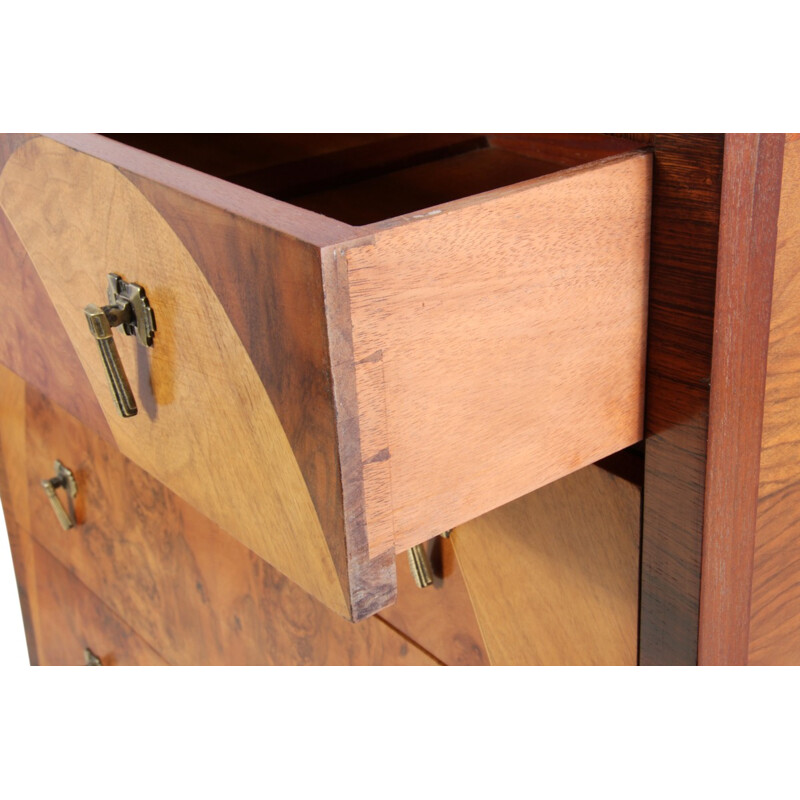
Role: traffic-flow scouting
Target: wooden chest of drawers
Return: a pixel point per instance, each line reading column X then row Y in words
column 358, row 343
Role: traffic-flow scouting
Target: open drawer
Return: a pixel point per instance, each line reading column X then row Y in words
column 360, row 340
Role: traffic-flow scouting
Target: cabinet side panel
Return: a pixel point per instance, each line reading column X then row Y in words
column 748, row 226
column 775, row 602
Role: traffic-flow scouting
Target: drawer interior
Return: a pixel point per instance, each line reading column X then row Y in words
column 363, row 178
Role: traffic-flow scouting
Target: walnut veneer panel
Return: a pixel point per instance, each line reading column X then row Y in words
column 210, row 432
column 71, row 619
column 499, row 344
column 196, row 595
column 775, row 600
column 439, row 617
column 554, row 576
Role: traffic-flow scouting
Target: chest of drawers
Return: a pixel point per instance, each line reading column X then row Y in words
column 357, row 343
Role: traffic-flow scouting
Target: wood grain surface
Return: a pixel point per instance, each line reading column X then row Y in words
column 746, row 255
column 14, row 494
column 774, row 621
column 274, row 214
column 192, row 592
column 33, row 342
column 439, row 617
column 563, row 150
column 22, row 555
column 687, row 186
column 342, row 166
column 207, row 428
column 425, row 185
column 232, row 154
column 279, row 316
column 72, row 619
column 554, row 576
column 13, row 483
column 498, row 345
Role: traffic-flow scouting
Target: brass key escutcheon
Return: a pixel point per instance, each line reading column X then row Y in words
column 128, row 306
column 63, row 479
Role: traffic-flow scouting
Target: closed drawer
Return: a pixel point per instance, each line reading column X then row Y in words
column 465, row 325
column 194, row 594
column 74, row 628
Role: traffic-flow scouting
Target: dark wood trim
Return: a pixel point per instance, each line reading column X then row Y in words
column 687, row 187
column 715, row 207
column 748, row 231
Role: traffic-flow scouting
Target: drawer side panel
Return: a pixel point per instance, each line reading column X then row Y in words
column 510, row 330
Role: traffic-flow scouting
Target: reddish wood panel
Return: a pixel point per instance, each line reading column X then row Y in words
column 439, row 617
column 499, row 345
column 424, row 185
column 72, row 620
column 564, row 149
column 192, row 592
column 357, row 163
column 229, row 154
column 687, row 186
column 746, row 255
column 774, row 618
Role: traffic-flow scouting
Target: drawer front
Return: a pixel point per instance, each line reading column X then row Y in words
column 193, row 593
column 439, row 617
column 75, row 628
column 330, row 395
column 234, row 403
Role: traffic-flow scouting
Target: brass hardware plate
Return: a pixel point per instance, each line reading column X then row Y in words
column 63, row 479
column 140, row 321
column 90, row 659
column 129, row 308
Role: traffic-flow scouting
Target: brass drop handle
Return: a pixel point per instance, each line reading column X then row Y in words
column 420, row 565
column 127, row 307
column 90, row 659
column 63, row 479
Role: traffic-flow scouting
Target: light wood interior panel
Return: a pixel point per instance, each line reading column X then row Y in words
column 554, row 576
